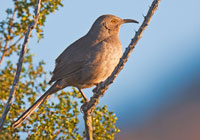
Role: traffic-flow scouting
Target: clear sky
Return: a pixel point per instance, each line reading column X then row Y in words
column 165, row 59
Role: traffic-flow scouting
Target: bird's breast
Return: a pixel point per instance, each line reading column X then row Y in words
column 102, row 62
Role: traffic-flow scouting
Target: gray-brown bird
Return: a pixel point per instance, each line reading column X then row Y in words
column 86, row 62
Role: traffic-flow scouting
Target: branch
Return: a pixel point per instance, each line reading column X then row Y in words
column 88, row 124
column 17, row 41
column 101, row 88
column 6, row 48
column 9, row 32
column 4, row 52
column 19, row 64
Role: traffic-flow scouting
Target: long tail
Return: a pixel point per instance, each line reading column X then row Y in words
column 54, row 88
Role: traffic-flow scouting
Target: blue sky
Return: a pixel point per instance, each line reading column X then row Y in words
column 165, row 59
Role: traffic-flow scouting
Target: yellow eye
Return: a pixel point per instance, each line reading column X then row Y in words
column 113, row 20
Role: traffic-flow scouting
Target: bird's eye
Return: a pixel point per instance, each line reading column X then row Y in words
column 113, row 20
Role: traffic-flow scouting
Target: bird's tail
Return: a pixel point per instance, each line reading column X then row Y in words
column 54, row 88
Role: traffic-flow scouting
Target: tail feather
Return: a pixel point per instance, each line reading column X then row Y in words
column 31, row 109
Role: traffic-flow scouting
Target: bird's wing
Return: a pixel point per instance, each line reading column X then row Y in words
column 71, row 60
column 66, row 69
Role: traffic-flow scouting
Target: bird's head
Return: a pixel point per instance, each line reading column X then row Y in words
column 107, row 25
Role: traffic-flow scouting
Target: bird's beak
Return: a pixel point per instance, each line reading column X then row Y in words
column 129, row 21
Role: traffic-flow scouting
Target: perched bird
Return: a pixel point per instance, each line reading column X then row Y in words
column 86, row 62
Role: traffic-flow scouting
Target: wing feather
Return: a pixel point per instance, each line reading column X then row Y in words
column 71, row 60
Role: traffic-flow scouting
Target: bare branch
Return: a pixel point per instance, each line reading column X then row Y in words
column 101, row 88
column 11, row 20
column 17, row 41
column 4, row 52
column 88, row 124
column 9, row 32
column 6, row 48
column 20, row 62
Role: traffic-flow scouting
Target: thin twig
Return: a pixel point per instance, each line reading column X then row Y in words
column 6, row 47
column 9, row 32
column 19, row 64
column 17, row 41
column 101, row 88
column 4, row 52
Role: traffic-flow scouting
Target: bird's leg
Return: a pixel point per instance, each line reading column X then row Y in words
column 84, row 97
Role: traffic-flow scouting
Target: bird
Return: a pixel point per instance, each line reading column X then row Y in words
column 86, row 62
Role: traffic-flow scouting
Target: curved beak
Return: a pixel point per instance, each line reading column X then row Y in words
column 129, row 21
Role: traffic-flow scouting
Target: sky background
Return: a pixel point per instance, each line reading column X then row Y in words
column 165, row 60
